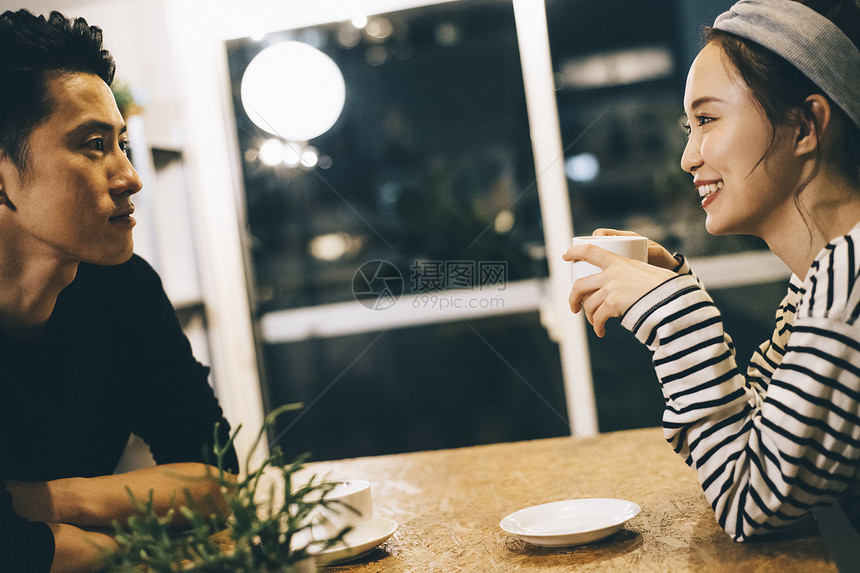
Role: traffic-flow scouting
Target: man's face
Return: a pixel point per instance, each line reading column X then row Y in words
column 72, row 203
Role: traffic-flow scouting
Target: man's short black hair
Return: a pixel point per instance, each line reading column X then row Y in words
column 31, row 49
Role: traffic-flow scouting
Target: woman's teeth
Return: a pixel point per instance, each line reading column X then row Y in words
column 706, row 191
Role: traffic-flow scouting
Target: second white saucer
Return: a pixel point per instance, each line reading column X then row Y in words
column 570, row 522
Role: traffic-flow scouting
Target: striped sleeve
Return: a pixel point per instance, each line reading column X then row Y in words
column 769, row 355
column 770, row 444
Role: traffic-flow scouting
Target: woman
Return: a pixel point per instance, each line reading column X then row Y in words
column 774, row 137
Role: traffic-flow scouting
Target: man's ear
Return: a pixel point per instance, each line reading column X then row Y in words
column 813, row 124
column 4, row 198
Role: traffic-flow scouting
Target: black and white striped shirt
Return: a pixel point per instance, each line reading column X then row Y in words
column 770, row 445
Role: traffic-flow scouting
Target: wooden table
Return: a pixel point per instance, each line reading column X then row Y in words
column 448, row 504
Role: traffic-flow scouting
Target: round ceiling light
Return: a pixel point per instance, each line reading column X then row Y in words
column 293, row 90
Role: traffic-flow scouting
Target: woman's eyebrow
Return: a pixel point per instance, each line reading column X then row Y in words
column 705, row 99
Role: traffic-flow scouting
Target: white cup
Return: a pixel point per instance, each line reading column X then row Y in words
column 348, row 504
column 630, row 247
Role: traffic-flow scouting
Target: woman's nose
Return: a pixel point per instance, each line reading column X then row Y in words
column 691, row 159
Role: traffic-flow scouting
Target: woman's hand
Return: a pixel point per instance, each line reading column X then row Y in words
column 657, row 254
column 621, row 283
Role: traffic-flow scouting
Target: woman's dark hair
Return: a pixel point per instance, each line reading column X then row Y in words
column 781, row 89
column 31, row 49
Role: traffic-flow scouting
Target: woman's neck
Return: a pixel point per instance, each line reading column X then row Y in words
column 826, row 209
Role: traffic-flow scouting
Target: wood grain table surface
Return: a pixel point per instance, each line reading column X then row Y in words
column 448, row 505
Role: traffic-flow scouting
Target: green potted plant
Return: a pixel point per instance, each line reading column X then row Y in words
column 260, row 535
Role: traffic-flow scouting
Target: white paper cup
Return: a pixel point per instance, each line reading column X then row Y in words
column 630, row 247
column 352, row 493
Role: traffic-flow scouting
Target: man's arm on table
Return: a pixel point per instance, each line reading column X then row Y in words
column 98, row 501
column 68, row 505
column 79, row 551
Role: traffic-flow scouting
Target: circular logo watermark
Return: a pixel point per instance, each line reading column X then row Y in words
column 377, row 284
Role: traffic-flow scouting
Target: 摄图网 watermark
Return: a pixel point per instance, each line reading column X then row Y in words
column 433, row 285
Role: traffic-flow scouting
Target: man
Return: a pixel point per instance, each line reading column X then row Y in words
column 90, row 348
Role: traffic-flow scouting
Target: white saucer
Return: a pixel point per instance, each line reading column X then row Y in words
column 571, row 522
column 360, row 540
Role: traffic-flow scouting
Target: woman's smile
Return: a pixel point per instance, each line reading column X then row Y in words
column 708, row 191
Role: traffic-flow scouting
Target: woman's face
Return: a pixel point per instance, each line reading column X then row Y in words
column 729, row 134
